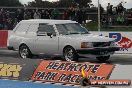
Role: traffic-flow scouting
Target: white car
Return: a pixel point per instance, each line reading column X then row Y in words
column 59, row 38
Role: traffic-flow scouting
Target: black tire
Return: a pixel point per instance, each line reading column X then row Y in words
column 24, row 52
column 70, row 54
column 103, row 58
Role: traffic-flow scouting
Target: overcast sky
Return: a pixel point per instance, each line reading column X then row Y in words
column 103, row 2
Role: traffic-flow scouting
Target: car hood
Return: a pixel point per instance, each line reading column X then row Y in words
column 89, row 38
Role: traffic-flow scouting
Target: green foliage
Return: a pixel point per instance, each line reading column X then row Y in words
column 84, row 3
column 65, row 3
column 9, row 3
column 40, row 3
column 60, row 3
column 93, row 26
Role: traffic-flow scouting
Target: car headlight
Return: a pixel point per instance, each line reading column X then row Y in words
column 86, row 44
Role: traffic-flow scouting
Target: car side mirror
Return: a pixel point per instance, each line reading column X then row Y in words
column 49, row 34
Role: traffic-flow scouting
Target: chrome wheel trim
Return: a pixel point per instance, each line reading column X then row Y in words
column 69, row 54
column 24, row 52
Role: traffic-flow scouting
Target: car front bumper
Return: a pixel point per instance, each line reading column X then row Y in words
column 98, row 51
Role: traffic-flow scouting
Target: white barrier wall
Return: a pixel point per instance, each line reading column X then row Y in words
column 9, row 33
column 123, row 39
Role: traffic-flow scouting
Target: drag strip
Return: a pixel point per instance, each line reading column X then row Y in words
column 13, row 61
column 122, row 70
column 9, row 55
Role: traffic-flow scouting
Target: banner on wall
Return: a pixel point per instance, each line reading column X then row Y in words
column 3, row 39
column 70, row 72
column 122, row 39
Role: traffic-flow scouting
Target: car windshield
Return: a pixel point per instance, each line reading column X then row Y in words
column 71, row 28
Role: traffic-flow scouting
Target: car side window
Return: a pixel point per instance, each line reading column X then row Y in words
column 44, row 28
column 22, row 28
column 32, row 29
column 61, row 29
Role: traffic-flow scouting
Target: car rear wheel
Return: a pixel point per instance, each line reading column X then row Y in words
column 24, row 52
column 103, row 58
column 70, row 54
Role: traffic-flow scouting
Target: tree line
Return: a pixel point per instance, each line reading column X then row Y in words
column 46, row 3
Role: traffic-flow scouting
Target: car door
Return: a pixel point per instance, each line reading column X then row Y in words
column 46, row 44
column 31, row 36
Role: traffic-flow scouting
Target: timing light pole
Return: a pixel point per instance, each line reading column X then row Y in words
column 99, row 24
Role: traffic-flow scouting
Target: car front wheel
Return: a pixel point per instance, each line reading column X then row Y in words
column 103, row 58
column 70, row 54
column 24, row 52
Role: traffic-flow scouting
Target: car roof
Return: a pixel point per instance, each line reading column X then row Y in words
column 47, row 21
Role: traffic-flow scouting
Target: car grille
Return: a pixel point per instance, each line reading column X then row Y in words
column 101, row 44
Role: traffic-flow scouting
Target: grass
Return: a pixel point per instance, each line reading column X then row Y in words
column 93, row 26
